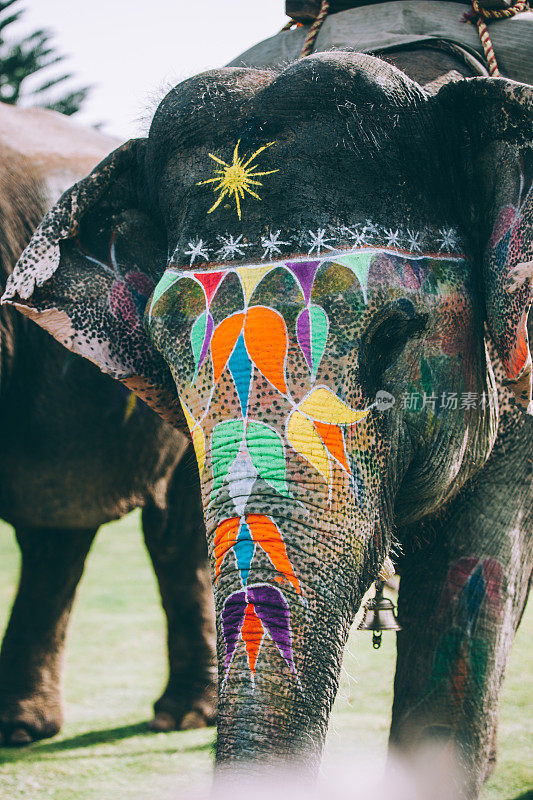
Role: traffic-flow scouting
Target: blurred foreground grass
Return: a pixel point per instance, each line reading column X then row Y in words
column 116, row 669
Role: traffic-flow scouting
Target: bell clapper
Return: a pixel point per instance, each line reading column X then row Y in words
column 379, row 616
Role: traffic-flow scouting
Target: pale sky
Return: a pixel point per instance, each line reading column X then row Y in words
column 131, row 49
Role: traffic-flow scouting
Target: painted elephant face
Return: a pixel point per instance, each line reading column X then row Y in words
column 316, row 347
column 320, row 318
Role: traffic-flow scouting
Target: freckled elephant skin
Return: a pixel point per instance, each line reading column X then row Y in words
column 76, row 451
column 328, row 246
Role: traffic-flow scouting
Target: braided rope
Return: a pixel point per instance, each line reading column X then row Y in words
column 314, row 29
column 479, row 15
column 288, row 25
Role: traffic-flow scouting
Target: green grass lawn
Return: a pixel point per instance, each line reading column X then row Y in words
column 116, row 668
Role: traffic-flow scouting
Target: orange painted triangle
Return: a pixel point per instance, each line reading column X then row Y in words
column 252, row 635
column 266, row 535
column 225, row 538
column 333, row 439
column 210, row 282
column 223, row 342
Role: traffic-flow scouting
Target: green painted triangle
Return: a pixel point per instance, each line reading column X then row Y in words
column 359, row 263
column 167, row 279
column 197, row 338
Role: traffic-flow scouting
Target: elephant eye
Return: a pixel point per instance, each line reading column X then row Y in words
column 385, row 338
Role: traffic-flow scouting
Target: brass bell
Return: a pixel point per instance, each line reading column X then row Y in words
column 379, row 616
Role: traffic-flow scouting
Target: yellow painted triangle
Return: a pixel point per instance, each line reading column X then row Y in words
column 250, row 277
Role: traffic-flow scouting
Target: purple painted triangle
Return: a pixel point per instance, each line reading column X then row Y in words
column 232, row 619
column 209, row 326
column 305, row 272
column 273, row 611
column 303, row 333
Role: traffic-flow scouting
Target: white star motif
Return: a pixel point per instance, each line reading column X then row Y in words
column 392, row 237
column 198, row 250
column 448, row 239
column 318, row 241
column 344, row 230
column 414, row 241
column 231, row 247
column 370, row 229
column 271, row 244
column 358, row 237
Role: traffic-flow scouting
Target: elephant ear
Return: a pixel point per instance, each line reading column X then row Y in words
column 88, row 272
column 493, row 118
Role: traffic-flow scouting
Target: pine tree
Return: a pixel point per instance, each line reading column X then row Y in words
column 20, row 58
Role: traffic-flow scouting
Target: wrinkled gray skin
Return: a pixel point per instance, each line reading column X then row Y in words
column 72, row 459
column 453, row 505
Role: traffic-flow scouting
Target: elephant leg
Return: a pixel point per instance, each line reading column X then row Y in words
column 460, row 604
column 32, row 654
column 175, row 539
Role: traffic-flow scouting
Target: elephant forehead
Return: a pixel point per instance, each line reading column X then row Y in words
column 293, row 322
column 237, row 165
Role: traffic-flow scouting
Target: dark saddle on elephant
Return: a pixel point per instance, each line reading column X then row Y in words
column 390, row 25
column 307, row 10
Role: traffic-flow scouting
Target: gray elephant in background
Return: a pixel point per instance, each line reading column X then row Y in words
column 77, row 451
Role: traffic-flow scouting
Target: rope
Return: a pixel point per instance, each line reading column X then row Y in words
column 478, row 15
column 314, row 29
column 288, row 25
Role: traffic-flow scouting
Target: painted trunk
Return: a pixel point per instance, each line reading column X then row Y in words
column 290, row 472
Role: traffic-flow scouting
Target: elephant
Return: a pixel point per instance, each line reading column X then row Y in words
column 77, row 451
column 342, row 268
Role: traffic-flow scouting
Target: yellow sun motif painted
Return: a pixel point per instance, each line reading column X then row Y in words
column 236, row 178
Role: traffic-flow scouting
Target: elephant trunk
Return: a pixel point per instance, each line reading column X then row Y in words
column 287, row 585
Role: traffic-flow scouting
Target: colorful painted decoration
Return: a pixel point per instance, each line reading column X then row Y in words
column 322, row 405
column 225, row 444
column 305, row 273
column 362, row 238
column 510, row 230
column 251, row 614
column 259, row 530
column 249, row 343
column 198, row 437
column 224, row 340
column 313, row 430
column 224, row 540
column 358, row 260
column 268, row 455
column 250, row 277
column 167, row 280
column 236, row 178
column 266, row 339
column 255, row 442
column 210, row 281
column 201, row 334
column 312, row 334
column 473, row 587
column 267, row 353
column 470, row 583
column 240, row 367
column 359, row 263
column 304, row 438
column 129, row 293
